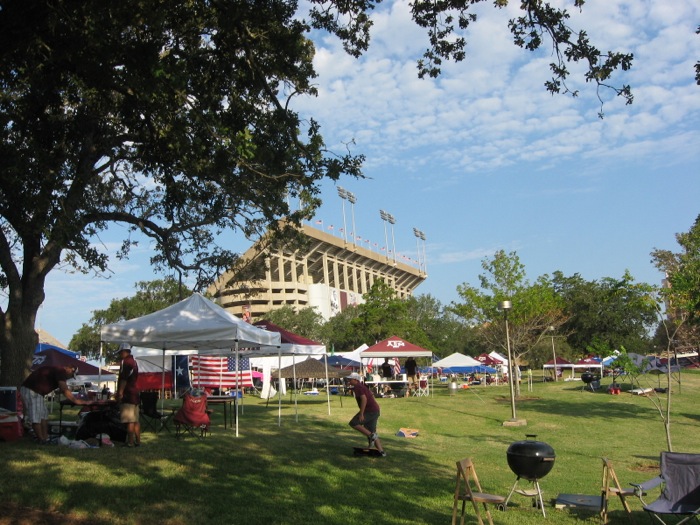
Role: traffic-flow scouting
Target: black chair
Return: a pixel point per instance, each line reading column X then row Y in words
column 680, row 497
column 151, row 417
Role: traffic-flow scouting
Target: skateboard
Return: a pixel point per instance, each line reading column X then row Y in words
column 364, row 451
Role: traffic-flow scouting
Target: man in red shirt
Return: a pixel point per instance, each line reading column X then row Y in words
column 129, row 396
column 365, row 421
column 41, row 382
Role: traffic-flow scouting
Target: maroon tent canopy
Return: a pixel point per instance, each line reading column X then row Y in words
column 395, row 347
column 86, row 371
column 291, row 342
column 486, row 359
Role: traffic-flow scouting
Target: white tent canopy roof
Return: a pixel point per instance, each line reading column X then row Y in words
column 456, row 359
column 195, row 324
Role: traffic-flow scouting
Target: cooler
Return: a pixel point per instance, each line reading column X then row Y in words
column 8, row 398
column 10, row 426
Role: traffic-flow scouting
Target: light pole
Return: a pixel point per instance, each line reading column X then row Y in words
column 420, row 236
column 343, row 194
column 514, row 421
column 392, row 221
column 385, row 217
column 554, row 354
column 353, row 200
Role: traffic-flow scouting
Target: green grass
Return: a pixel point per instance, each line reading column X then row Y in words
column 303, row 472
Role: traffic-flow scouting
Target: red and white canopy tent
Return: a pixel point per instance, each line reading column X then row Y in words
column 583, row 364
column 395, row 347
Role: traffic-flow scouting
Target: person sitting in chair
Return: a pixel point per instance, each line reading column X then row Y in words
column 387, row 370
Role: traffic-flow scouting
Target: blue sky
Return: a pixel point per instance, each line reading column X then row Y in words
column 483, row 158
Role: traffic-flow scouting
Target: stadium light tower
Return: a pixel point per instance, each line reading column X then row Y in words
column 420, row 236
column 343, row 194
column 388, row 217
column 351, row 198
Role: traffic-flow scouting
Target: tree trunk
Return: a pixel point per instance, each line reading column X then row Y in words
column 18, row 340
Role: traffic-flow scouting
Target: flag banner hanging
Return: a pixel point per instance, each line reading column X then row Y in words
column 182, row 375
column 397, row 367
column 220, row 372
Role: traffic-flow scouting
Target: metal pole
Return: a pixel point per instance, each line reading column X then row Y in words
column 554, row 355
column 510, row 370
column 343, row 194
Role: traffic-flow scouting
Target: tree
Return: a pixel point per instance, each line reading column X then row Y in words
column 169, row 118
column 150, row 297
column 173, row 120
column 536, row 307
column 446, row 332
column 608, row 313
column 306, row 322
column 681, row 296
column 383, row 314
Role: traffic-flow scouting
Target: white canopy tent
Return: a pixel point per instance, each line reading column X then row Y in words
column 194, row 325
column 457, row 360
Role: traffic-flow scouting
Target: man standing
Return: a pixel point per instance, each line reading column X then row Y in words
column 40, row 383
column 411, row 368
column 128, row 396
column 365, row 421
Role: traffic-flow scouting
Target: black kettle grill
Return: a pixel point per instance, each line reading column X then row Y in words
column 530, row 460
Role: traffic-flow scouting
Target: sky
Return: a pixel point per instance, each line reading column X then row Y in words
column 483, row 158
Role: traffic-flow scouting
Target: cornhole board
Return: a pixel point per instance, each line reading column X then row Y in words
column 364, row 451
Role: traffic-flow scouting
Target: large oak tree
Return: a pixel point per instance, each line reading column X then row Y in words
column 172, row 118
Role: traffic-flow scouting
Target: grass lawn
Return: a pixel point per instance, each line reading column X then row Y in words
column 303, row 472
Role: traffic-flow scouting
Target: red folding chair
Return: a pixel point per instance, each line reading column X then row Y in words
column 192, row 417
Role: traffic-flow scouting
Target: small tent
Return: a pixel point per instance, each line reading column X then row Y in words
column 394, row 347
column 194, row 325
column 462, row 364
column 86, row 371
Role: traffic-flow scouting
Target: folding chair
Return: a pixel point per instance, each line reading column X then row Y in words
column 466, row 474
column 612, row 487
column 151, row 417
column 192, row 417
column 422, row 385
column 680, row 496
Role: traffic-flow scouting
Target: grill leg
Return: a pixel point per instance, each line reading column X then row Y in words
column 539, row 497
column 511, row 492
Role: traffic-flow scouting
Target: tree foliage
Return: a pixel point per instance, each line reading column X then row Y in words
column 150, row 297
column 173, row 120
column 306, row 322
column 535, row 306
column 608, row 313
column 169, row 118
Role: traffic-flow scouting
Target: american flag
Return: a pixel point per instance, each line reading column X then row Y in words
column 220, row 372
column 397, row 367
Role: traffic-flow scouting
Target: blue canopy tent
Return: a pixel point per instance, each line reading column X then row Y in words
column 478, row 369
column 343, row 362
column 46, row 346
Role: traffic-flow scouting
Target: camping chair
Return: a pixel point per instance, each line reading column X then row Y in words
column 192, row 417
column 466, row 474
column 612, row 487
column 680, row 496
column 151, row 417
column 422, row 385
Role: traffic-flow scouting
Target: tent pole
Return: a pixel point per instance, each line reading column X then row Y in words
column 296, row 390
column 235, row 397
column 162, row 382
column 328, row 386
column 279, row 386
